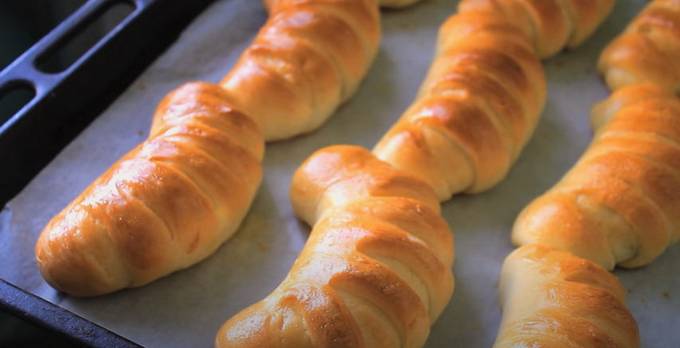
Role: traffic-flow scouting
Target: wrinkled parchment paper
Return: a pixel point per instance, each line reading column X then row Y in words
column 186, row 308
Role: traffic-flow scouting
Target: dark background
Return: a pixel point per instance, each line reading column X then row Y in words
column 23, row 23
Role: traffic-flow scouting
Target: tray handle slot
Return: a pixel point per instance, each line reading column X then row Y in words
column 14, row 96
column 85, row 35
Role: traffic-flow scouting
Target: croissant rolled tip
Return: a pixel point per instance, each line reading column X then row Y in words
column 222, row 337
column 226, row 338
column 246, row 329
column 67, row 273
column 62, row 286
column 66, row 286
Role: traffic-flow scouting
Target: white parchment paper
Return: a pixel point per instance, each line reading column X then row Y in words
column 186, row 308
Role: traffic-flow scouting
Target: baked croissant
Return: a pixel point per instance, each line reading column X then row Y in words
column 167, row 204
column 308, row 58
column 485, row 91
column 620, row 204
column 475, row 110
column 175, row 198
column 376, row 270
column 648, row 50
column 551, row 298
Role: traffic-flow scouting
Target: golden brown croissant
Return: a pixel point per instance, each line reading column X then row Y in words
column 648, row 50
column 167, row 204
column 175, row 198
column 475, row 110
column 376, row 270
column 308, row 58
column 620, row 204
column 551, row 298
column 485, row 91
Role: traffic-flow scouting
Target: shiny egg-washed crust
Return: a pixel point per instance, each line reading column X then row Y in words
column 176, row 197
column 551, row 25
column 485, row 90
column 308, row 58
column 375, row 272
column 167, row 204
column 475, row 110
column 554, row 299
column 648, row 50
column 620, row 204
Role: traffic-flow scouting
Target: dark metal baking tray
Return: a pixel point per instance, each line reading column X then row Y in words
column 65, row 100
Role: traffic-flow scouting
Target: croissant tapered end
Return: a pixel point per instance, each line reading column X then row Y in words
column 82, row 265
column 291, row 318
column 551, row 298
column 647, row 51
column 557, row 220
column 256, row 327
column 320, row 182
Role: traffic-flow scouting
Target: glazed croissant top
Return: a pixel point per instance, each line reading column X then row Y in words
column 554, row 299
column 485, row 90
column 172, row 200
column 375, row 272
column 308, row 58
column 648, row 50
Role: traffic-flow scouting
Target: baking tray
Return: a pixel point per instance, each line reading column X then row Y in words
column 71, row 329
column 187, row 308
column 67, row 98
